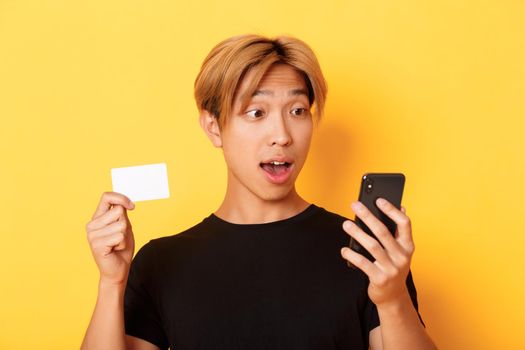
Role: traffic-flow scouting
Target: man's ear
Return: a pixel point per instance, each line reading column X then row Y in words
column 210, row 125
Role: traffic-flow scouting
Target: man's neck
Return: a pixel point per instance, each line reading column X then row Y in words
column 250, row 209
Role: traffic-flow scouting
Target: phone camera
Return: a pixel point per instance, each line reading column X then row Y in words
column 369, row 185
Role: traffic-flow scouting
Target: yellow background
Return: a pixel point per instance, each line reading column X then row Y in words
column 434, row 89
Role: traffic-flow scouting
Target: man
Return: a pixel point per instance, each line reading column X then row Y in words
column 267, row 270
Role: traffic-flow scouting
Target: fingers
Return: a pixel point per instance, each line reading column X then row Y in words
column 117, row 226
column 110, row 237
column 388, row 272
column 376, row 226
column 360, row 261
column 404, row 226
column 117, row 212
column 107, row 231
column 384, row 283
column 368, row 242
column 398, row 248
column 104, row 245
column 112, row 198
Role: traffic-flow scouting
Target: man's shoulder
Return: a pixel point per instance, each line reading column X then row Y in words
column 330, row 216
column 165, row 252
column 190, row 233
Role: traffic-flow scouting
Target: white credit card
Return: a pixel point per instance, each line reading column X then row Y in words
column 141, row 182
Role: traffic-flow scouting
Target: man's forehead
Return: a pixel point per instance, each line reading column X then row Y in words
column 291, row 92
column 281, row 79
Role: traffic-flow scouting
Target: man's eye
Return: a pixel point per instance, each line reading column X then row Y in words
column 255, row 113
column 299, row 111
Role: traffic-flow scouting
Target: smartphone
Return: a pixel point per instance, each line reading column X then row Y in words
column 374, row 185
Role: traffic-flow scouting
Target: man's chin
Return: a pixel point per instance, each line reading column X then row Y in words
column 277, row 194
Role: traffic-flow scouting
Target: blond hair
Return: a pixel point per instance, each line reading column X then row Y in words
column 228, row 62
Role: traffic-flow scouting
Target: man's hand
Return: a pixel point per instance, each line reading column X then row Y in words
column 389, row 271
column 111, row 238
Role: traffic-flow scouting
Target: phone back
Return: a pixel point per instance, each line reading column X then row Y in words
column 374, row 185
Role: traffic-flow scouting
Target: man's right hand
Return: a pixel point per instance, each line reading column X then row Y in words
column 110, row 237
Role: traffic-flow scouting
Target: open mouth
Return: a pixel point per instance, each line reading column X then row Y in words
column 276, row 168
column 277, row 172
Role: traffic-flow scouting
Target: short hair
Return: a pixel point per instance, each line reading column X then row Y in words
column 228, row 62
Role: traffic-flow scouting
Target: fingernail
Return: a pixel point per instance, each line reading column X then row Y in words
column 381, row 201
column 347, row 224
column 357, row 206
column 131, row 204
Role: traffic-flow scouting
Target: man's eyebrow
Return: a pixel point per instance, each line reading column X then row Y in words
column 296, row 92
column 293, row 92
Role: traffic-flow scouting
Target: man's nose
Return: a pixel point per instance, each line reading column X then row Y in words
column 279, row 131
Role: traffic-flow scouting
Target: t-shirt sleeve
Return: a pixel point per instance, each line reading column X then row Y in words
column 141, row 314
column 371, row 315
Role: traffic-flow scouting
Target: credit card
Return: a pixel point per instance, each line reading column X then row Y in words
column 141, row 182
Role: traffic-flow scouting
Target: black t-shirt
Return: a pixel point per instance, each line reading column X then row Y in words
column 277, row 285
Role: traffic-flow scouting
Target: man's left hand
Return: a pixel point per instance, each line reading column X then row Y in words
column 388, row 273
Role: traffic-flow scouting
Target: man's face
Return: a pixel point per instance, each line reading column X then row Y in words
column 265, row 145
